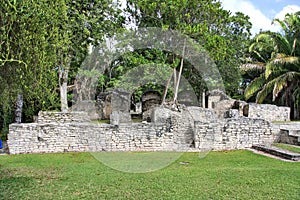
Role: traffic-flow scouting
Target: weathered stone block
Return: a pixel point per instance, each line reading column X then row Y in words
column 118, row 117
column 267, row 111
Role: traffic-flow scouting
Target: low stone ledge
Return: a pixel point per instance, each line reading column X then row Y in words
column 278, row 152
column 62, row 117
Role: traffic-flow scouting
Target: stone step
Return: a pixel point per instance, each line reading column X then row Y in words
column 278, row 152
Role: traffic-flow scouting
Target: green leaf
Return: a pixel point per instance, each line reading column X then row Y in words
column 254, row 86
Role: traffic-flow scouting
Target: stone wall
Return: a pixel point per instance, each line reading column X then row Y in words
column 62, row 117
column 215, row 96
column 87, row 106
column 289, row 137
column 289, row 132
column 222, row 104
column 267, row 111
column 189, row 129
column 288, row 125
column 44, row 138
column 237, row 133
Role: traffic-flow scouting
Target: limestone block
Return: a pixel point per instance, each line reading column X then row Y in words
column 118, row 117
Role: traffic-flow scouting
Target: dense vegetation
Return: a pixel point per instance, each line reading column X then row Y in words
column 43, row 43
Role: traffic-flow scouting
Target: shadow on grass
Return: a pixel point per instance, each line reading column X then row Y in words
column 137, row 162
column 12, row 185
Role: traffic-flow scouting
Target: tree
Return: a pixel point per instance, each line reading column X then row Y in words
column 83, row 23
column 27, row 58
column 224, row 35
column 42, row 44
column 282, row 66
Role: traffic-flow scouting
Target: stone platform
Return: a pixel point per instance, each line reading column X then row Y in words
column 278, row 152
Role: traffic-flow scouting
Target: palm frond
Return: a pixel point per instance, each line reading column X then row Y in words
column 256, row 48
column 267, row 89
column 281, row 64
column 282, row 59
column 281, row 23
column 282, row 81
column 254, row 86
column 273, row 70
column 263, row 37
column 259, row 55
column 281, row 43
column 269, row 70
column 282, row 52
column 260, row 67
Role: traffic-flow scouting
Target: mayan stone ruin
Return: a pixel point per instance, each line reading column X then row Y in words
column 225, row 124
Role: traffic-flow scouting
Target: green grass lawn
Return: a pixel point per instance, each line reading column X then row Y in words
column 220, row 175
column 287, row 147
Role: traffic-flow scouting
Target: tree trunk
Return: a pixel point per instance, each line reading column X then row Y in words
column 179, row 75
column 63, row 88
column 297, row 113
column 166, row 89
column 175, row 77
column 19, row 108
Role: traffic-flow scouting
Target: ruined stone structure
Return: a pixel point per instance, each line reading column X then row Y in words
column 113, row 101
column 62, row 117
column 104, row 105
column 188, row 98
column 226, row 107
column 267, row 111
column 229, row 124
column 150, row 99
column 289, row 133
column 214, row 97
column 233, row 133
column 192, row 129
column 45, row 137
column 289, row 136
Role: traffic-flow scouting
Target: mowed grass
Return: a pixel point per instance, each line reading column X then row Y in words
column 291, row 148
column 219, row 175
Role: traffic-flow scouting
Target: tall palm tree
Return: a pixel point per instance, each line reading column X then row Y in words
column 281, row 76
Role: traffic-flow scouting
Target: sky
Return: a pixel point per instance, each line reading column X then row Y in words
column 262, row 12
